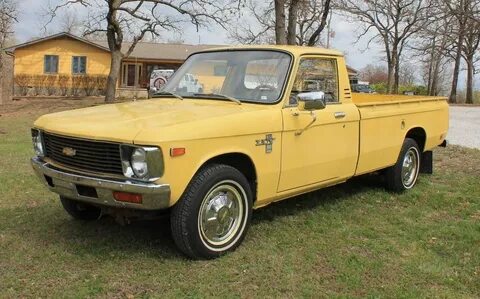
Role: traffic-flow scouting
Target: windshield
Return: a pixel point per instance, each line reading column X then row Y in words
column 251, row 76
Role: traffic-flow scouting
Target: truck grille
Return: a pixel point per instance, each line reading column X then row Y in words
column 102, row 157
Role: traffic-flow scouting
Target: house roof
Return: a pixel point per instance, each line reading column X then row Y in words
column 155, row 51
column 56, row 36
column 143, row 50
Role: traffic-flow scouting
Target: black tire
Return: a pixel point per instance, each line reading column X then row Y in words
column 79, row 210
column 395, row 177
column 188, row 212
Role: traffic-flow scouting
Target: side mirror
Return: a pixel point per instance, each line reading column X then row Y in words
column 314, row 100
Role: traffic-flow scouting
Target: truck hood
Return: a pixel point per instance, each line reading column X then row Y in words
column 124, row 121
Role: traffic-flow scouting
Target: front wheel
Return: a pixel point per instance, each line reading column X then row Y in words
column 403, row 175
column 213, row 215
column 79, row 210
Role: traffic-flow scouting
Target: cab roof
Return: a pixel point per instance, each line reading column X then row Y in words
column 294, row 50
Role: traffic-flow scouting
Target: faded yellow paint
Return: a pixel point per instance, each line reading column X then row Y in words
column 367, row 138
column 30, row 58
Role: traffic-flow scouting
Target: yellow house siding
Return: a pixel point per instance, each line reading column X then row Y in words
column 30, row 59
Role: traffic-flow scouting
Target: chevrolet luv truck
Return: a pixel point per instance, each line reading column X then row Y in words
column 271, row 122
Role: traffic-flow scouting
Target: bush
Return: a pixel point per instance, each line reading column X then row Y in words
column 63, row 83
column 39, row 83
column 51, row 84
column 101, row 84
column 90, row 85
column 23, row 82
column 78, row 83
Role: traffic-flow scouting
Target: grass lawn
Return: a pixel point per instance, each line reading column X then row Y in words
column 351, row 240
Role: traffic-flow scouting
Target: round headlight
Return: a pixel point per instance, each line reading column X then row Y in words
column 138, row 161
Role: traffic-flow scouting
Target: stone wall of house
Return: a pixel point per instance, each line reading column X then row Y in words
column 6, row 79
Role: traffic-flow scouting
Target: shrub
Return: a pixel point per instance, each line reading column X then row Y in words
column 90, row 85
column 39, row 84
column 78, row 83
column 23, row 81
column 51, row 84
column 101, row 84
column 63, row 83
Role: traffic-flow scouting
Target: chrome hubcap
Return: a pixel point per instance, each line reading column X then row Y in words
column 410, row 167
column 221, row 214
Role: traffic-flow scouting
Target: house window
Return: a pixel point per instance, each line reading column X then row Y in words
column 50, row 64
column 79, row 65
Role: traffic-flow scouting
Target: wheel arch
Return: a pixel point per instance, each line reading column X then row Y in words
column 240, row 161
column 419, row 135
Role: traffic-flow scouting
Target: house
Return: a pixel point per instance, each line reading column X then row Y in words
column 65, row 54
column 64, row 63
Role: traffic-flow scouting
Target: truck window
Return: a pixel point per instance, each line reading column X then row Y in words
column 317, row 74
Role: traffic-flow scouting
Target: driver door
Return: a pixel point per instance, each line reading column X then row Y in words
column 327, row 151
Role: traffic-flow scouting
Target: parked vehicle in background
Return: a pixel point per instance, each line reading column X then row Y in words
column 236, row 129
column 189, row 84
column 158, row 78
column 362, row 88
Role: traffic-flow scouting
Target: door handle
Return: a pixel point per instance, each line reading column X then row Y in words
column 340, row 114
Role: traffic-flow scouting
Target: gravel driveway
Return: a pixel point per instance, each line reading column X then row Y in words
column 464, row 126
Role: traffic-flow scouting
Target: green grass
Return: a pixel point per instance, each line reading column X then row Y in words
column 351, row 240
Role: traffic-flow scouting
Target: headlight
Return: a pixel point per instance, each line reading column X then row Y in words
column 139, row 162
column 38, row 143
column 143, row 163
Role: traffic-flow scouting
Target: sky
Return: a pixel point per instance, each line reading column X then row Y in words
column 33, row 17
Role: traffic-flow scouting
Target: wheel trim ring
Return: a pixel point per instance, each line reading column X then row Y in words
column 236, row 233
column 410, row 168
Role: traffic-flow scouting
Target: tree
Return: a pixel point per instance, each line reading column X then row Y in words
column 374, row 74
column 394, row 22
column 8, row 15
column 432, row 46
column 294, row 22
column 459, row 11
column 132, row 20
column 470, row 52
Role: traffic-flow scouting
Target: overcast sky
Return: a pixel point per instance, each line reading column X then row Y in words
column 32, row 18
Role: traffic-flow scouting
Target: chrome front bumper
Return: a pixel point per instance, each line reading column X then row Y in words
column 154, row 196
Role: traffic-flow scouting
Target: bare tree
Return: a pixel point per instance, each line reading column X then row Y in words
column 294, row 22
column 459, row 10
column 394, row 22
column 132, row 20
column 432, row 47
column 70, row 22
column 8, row 15
column 374, row 74
column 470, row 51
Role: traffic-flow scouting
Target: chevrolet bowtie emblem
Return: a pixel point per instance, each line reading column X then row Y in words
column 68, row 151
column 268, row 142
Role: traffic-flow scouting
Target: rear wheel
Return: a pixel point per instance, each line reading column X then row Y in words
column 403, row 175
column 79, row 210
column 214, row 213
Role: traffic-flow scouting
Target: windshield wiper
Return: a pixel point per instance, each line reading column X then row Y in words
column 218, row 95
column 167, row 93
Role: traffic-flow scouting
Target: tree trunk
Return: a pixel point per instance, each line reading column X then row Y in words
column 456, row 69
column 292, row 22
column 116, row 63
column 280, row 33
column 469, row 80
column 396, row 82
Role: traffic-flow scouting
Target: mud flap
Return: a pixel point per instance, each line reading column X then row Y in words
column 426, row 162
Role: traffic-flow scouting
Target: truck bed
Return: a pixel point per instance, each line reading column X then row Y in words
column 365, row 99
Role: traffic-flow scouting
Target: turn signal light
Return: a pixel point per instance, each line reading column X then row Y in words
column 127, row 197
column 177, row 151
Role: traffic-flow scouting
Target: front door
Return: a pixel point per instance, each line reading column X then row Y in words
column 327, row 151
column 131, row 74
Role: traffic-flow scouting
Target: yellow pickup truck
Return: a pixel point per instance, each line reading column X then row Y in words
column 269, row 123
